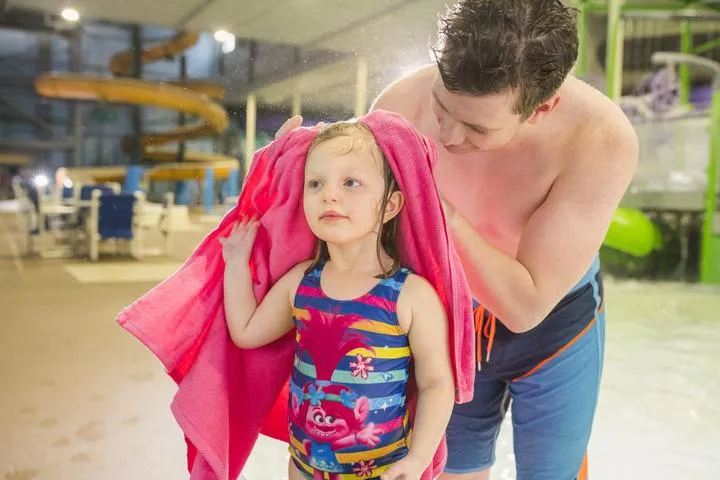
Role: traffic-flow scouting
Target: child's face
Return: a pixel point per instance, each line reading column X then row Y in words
column 344, row 187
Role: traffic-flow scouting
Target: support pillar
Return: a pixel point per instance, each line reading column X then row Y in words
column 133, row 178
column 234, row 183
column 581, row 63
column 296, row 102
column 181, row 115
column 209, row 190
column 686, row 45
column 250, row 131
column 136, row 115
column 614, row 54
column 75, row 65
column 361, row 87
column 183, row 192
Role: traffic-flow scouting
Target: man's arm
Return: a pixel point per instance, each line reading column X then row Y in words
column 561, row 238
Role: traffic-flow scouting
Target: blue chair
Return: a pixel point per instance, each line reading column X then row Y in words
column 115, row 216
column 68, row 193
column 111, row 216
column 127, row 217
column 84, row 198
column 86, row 191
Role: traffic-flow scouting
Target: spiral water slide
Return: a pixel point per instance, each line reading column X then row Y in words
column 195, row 98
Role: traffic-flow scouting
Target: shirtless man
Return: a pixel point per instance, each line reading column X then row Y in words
column 532, row 165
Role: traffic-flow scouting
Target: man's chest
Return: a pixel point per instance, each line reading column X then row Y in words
column 497, row 195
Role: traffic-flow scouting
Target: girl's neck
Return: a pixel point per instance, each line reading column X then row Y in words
column 358, row 257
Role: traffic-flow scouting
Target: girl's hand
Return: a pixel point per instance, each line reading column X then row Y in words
column 238, row 245
column 409, row 468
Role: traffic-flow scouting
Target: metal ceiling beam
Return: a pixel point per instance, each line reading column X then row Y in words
column 318, row 60
column 18, row 18
column 25, row 116
column 193, row 13
column 300, row 66
column 357, row 23
column 34, row 145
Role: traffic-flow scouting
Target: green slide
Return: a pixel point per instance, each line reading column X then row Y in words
column 633, row 233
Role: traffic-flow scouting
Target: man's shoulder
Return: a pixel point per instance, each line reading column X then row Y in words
column 598, row 116
column 603, row 138
column 404, row 95
column 599, row 124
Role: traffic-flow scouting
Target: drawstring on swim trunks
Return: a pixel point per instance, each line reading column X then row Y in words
column 485, row 329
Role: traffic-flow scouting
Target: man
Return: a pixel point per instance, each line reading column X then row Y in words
column 532, row 166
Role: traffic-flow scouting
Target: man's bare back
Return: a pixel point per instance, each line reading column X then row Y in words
column 498, row 191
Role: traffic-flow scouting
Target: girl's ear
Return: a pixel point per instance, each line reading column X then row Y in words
column 394, row 205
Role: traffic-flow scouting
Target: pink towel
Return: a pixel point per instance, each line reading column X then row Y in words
column 227, row 396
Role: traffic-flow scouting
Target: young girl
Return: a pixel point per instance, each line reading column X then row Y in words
column 364, row 323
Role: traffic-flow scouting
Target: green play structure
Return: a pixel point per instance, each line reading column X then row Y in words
column 710, row 264
column 637, row 33
column 633, row 233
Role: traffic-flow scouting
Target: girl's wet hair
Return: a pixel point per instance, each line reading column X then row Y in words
column 387, row 236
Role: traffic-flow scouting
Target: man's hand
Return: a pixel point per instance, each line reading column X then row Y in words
column 293, row 123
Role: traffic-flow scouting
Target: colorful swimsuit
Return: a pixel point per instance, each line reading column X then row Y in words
column 348, row 415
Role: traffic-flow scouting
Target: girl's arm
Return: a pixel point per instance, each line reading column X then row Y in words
column 252, row 325
column 428, row 335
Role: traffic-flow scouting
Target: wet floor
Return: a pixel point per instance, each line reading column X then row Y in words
column 81, row 399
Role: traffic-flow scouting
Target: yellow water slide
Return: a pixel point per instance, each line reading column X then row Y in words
column 196, row 98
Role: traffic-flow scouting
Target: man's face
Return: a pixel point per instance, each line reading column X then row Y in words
column 469, row 124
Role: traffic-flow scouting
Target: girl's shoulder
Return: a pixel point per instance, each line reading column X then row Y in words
column 300, row 270
column 416, row 292
column 416, row 286
column 294, row 277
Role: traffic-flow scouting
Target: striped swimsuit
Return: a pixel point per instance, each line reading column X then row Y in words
column 348, row 415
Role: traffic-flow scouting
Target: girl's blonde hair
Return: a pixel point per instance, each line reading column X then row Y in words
column 387, row 236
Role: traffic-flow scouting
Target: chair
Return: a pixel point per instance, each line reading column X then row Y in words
column 86, row 190
column 126, row 217
column 110, row 217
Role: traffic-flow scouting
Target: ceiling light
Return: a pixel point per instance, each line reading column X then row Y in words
column 41, row 181
column 228, row 46
column 227, row 40
column 70, row 14
column 223, row 36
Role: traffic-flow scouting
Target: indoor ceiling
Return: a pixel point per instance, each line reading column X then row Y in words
column 392, row 34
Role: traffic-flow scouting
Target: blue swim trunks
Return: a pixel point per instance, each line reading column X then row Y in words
column 552, row 375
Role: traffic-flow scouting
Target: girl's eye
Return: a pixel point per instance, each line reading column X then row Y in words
column 329, row 419
column 313, row 184
column 351, row 182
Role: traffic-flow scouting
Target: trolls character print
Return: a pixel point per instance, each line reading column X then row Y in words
column 349, row 382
